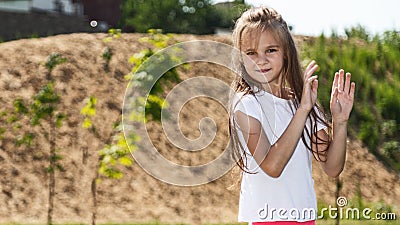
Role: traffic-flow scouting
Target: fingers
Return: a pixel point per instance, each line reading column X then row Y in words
column 314, row 86
column 352, row 89
column 335, row 82
column 342, row 83
column 341, row 80
column 312, row 79
column 312, row 63
column 309, row 83
column 312, row 82
column 309, row 95
column 347, row 83
column 342, row 87
column 310, row 70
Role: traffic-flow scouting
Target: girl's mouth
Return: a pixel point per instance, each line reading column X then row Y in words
column 263, row 70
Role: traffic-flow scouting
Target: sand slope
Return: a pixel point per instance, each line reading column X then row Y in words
column 137, row 196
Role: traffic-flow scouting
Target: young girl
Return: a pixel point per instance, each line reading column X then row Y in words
column 277, row 126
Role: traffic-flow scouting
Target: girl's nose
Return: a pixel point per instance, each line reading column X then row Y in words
column 262, row 59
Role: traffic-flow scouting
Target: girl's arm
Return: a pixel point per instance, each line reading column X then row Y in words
column 342, row 99
column 273, row 159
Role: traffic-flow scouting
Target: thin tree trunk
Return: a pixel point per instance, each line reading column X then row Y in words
column 85, row 154
column 94, row 197
column 51, row 198
column 52, row 180
column 95, row 179
column 94, row 184
column 97, row 176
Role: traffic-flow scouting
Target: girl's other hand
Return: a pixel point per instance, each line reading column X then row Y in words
column 309, row 95
column 342, row 97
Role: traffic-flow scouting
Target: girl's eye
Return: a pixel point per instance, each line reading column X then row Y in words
column 272, row 50
column 250, row 53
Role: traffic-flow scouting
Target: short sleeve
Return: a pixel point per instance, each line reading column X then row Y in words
column 261, row 109
column 248, row 105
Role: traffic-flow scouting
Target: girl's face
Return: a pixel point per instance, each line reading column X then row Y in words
column 264, row 59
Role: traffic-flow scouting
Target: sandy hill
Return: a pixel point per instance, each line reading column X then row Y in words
column 137, row 197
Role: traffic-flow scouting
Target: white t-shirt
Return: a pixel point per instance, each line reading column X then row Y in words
column 290, row 197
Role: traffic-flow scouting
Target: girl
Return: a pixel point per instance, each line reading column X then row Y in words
column 277, row 126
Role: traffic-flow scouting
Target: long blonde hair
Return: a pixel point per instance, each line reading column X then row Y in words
column 261, row 19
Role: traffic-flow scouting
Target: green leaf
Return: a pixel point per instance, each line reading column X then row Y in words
column 60, row 167
column 25, row 139
column 88, row 111
column 125, row 161
column 53, row 60
column 50, row 169
column 56, row 158
column 3, row 113
column 12, row 119
column 19, row 140
column 107, row 54
column 87, row 123
column 19, row 106
column 113, row 33
column 59, row 119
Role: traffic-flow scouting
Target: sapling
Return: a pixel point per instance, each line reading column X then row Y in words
column 44, row 109
column 119, row 146
column 113, row 154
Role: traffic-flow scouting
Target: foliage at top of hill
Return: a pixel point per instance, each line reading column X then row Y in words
column 179, row 16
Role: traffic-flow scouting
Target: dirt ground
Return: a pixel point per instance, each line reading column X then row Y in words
column 137, row 197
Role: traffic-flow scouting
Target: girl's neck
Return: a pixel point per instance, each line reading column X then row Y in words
column 277, row 91
column 280, row 92
column 273, row 89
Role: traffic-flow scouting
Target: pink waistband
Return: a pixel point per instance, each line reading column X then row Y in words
column 311, row 222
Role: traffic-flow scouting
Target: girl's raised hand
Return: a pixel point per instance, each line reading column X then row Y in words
column 342, row 97
column 309, row 95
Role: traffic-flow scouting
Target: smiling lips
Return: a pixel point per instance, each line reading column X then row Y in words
column 263, row 70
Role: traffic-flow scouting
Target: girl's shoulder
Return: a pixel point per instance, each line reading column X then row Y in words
column 248, row 104
column 244, row 98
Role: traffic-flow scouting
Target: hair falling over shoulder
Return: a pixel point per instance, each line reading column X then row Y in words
column 257, row 20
